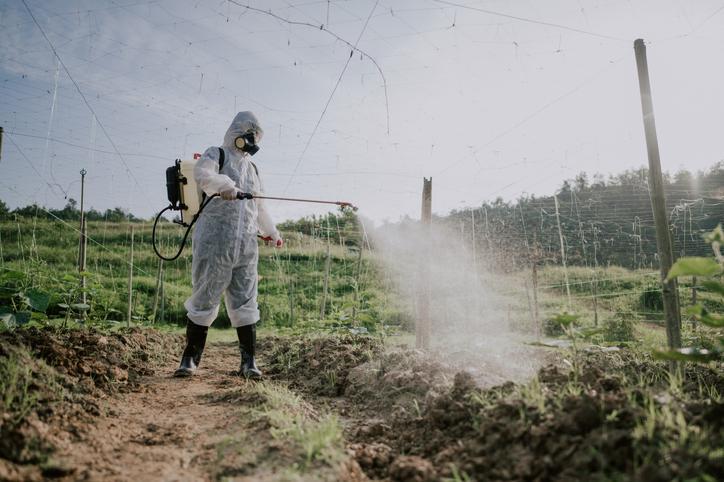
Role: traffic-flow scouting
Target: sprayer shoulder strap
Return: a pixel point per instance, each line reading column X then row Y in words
column 222, row 157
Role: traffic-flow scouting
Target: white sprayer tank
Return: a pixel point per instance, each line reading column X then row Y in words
column 190, row 192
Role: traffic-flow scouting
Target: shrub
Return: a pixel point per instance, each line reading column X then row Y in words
column 652, row 299
column 619, row 329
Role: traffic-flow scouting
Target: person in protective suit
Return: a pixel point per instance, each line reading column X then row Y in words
column 225, row 248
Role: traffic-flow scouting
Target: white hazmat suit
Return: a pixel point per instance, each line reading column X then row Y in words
column 225, row 249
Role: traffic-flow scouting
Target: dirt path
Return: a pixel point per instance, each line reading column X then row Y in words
column 169, row 430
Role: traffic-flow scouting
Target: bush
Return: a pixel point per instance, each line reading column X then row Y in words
column 619, row 329
column 652, row 299
column 556, row 326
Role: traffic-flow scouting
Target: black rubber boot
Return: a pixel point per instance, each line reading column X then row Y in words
column 195, row 342
column 247, row 348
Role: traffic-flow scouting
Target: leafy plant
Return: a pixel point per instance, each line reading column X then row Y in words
column 711, row 268
column 557, row 325
column 21, row 301
column 620, row 328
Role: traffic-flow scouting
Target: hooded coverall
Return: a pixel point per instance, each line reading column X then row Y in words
column 225, row 249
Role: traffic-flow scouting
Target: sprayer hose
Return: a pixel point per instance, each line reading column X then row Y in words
column 186, row 234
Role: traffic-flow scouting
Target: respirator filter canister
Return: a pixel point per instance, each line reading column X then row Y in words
column 247, row 143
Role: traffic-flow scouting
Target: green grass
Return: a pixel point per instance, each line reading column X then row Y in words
column 290, row 288
column 316, row 438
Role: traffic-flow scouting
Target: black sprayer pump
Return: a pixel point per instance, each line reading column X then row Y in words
column 175, row 182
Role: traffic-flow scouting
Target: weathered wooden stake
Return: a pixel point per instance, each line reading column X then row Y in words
column 291, row 301
column 162, row 314
column 670, row 289
column 563, row 252
column 422, row 328
column 327, row 266
column 694, row 297
column 82, row 244
column 535, row 299
column 159, row 274
column 595, row 299
column 356, row 286
column 530, row 306
column 130, row 283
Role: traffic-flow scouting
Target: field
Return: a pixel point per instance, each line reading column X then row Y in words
column 346, row 397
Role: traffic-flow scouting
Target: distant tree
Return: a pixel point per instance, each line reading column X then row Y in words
column 4, row 211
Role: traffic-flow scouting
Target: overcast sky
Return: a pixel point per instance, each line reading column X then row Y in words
column 490, row 98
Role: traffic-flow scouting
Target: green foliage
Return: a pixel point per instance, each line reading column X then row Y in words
column 619, row 329
column 691, row 266
column 558, row 324
column 595, row 218
column 40, row 267
column 702, row 267
column 652, row 299
column 19, row 302
column 25, row 384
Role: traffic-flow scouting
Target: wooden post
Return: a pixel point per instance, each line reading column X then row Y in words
column 694, row 281
column 475, row 248
column 670, row 288
column 356, row 286
column 536, row 315
column 595, row 299
column 530, row 306
column 327, row 266
column 130, row 283
column 82, row 244
column 291, row 301
column 157, row 293
column 422, row 328
column 162, row 315
column 563, row 252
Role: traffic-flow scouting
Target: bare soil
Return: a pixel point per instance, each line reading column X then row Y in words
column 108, row 409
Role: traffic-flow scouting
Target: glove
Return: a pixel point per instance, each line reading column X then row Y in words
column 228, row 194
column 276, row 239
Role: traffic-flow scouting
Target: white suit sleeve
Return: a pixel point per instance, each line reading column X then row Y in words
column 266, row 225
column 264, row 220
column 207, row 174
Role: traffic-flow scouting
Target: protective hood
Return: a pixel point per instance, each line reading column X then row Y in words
column 243, row 122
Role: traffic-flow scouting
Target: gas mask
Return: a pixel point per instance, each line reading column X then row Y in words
column 247, row 143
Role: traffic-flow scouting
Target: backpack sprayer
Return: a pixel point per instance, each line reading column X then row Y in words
column 185, row 196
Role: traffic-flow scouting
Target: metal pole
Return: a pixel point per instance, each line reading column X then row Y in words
column 130, row 283
column 670, row 288
column 1, row 143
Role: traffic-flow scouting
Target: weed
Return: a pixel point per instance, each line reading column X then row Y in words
column 317, row 438
column 16, row 379
column 619, row 329
column 458, row 475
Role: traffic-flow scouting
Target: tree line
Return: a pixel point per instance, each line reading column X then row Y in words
column 71, row 212
column 603, row 221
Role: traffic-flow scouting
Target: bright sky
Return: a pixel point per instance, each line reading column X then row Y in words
column 490, row 97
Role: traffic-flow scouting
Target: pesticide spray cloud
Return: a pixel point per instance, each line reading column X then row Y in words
column 478, row 319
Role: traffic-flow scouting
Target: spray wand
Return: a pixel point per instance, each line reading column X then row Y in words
column 239, row 195
column 344, row 204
